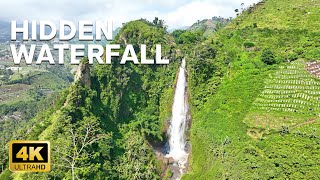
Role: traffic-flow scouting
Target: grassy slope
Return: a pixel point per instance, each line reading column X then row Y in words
column 221, row 147
column 290, row 98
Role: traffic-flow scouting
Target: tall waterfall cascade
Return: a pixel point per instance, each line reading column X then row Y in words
column 177, row 139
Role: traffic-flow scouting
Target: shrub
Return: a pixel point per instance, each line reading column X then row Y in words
column 284, row 130
column 248, row 44
column 255, row 25
column 292, row 56
column 267, row 57
column 168, row 175
column 299, row 51
column 6, row 175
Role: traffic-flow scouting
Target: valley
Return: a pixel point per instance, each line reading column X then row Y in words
column 238, row 100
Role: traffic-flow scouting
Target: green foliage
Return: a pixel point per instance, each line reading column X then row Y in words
column 209, row 26
column 177, row 33
column 268, row 57
column 284, row 130
column 16, row 122
column 103, row 130
column 159, row 23
column 255, row 25
column 248, row 44
column 227, row 109
column 293, row 56
column 79, row 149
column 138, row 161
column 188, row 37
column 5, row 175
column 168, row 175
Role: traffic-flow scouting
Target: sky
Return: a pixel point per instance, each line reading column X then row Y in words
column 175, row 13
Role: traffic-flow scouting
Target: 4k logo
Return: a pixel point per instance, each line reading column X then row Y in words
column 32, row 156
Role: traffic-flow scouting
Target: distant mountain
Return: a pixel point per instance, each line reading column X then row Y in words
column 179, row 28
column 115, row 32
column 4, row 31
column 209, row 26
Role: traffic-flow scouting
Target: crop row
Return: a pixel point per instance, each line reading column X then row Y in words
column 295, row 82
column 290, row 89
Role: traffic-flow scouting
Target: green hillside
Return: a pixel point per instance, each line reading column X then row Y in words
column 296, row 14
column 103, row 125
column 290, row 97
column 209, row 26
column 254, row 104
column 25, row 93
column 255, row 110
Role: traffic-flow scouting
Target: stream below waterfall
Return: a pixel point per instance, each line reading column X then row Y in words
column 178, row 126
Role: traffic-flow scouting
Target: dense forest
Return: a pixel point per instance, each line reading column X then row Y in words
column 254, row 105
column 103, row 124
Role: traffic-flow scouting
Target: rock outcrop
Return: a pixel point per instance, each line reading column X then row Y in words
column 83, row 74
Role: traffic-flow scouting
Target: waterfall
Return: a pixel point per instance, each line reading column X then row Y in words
column 177, row 141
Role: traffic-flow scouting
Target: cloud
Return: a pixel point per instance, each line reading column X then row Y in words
column 176, row 13
column 197, row 10
column 190, row 13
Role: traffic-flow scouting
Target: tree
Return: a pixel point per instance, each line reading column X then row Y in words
column 155, row 21
column 159, row 23
column 255, row 25
column 10, row 72
column 242, row 7
column 237, row 12
column 267, row 57
column 3, row 153
column 75, row 153
column 137, row 162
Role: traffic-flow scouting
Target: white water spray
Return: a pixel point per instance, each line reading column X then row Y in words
column 177, row 140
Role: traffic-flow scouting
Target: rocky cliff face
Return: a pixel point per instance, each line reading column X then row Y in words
column 83, row 74
column 81, row 79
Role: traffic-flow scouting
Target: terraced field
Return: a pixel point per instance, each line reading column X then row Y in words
column 290, row 97
column 14, row 92
column 291, row 89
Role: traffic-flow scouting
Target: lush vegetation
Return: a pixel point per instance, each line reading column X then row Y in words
column 24, row 93
column 254, row 114
column 209, row 26
column 254, row 106
column 103, row 127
